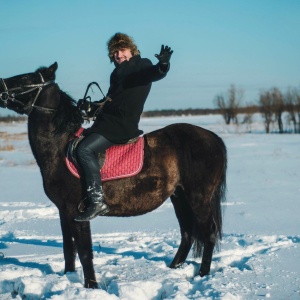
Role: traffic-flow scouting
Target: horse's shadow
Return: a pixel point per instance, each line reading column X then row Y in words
column 167, row 259
column 131, row 253
column 10, row 238
column 44, row 268
column 47, row 269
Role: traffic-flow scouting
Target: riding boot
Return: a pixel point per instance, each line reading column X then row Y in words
column 96, row 205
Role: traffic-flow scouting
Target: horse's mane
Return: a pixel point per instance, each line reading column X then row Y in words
column 40, row 69
column 68, row 118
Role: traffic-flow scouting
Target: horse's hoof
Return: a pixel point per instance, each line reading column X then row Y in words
column 90, row 284
column 69, row 270
column 203, row 273
column 175, row 265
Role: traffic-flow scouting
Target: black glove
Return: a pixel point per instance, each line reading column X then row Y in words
column 83, row 104
column 164, row 57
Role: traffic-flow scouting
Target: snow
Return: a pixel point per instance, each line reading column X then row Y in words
column 260, row 252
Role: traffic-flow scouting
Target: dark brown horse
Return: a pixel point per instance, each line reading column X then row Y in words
column 184, row 162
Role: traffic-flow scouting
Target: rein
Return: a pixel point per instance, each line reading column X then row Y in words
column 7, row 95
column 89, row 109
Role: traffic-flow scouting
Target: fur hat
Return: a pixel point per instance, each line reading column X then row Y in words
column 121, row 41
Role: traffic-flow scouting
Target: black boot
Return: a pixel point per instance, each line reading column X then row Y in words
column 96, row 207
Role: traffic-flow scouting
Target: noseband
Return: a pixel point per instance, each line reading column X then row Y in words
column 7, row 95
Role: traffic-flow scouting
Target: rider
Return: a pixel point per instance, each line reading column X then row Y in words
column 130, row 84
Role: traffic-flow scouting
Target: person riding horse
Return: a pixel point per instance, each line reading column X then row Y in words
column 183, row 162
column 117, row 123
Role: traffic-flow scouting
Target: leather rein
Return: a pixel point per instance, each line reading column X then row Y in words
column 89, row 109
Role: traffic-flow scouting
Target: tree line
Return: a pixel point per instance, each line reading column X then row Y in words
column 179, row 112
column 9, row 119
column 272, row 104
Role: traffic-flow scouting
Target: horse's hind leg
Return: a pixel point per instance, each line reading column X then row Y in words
column 185, row 218
column 204, row 234
column 210, row 216
column 209, row 244
column 206, row 258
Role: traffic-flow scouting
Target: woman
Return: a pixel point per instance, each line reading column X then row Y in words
column 130, row 84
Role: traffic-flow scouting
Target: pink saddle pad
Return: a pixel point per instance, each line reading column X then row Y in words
column 120, row 161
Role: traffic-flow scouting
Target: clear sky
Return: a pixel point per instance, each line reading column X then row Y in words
column 253, row 44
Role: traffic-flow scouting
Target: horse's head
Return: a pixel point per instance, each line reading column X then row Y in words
column 20, row 93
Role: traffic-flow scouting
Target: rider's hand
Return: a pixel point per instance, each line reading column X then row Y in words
column 164, row 57
column 83, row 105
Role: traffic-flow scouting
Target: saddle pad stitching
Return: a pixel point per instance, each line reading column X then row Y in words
column 74, row 171
column 116, row 158
column 132, row 173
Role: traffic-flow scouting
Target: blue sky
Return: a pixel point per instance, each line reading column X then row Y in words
column 254, row 45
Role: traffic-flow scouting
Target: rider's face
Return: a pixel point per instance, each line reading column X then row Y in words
column 122, row 55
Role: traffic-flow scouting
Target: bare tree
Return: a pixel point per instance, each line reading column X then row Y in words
column 266, row 107
column 290, row 101
column 292, row 104
column 278, row 104
column 225, row 111
column 272, row 104
column 230, row 104
column 297, row 108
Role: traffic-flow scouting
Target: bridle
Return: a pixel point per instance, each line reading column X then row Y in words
column 9, row 95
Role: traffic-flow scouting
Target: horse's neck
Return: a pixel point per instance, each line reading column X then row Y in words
column 45, row 144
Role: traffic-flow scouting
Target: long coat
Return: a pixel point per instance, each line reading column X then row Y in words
column 130, row 84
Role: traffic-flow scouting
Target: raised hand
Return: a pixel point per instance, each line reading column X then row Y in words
column 164, row 56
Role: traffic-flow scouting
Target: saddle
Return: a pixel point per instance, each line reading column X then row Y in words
column 117, row 162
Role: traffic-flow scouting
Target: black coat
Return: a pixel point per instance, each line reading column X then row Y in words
column 130, row 84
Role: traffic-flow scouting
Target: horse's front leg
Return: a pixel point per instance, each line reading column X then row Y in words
column 68, row 243
column 83, row 241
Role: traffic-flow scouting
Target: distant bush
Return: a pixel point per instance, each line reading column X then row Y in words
column 7, row 148
column 196, row 111
column 179, row 112
column 9, row 119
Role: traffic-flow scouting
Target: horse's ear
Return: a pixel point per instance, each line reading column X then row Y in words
column 53, row 68
column 50, row 72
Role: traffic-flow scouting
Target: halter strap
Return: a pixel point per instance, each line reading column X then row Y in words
column 32, row 87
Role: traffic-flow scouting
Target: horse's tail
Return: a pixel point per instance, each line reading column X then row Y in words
column 218, row 196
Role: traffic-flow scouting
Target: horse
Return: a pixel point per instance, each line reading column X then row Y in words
column 183, row 162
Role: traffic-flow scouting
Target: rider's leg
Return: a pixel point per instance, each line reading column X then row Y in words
column 87, row 155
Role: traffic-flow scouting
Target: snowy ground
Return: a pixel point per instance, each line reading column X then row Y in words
column 260, row 252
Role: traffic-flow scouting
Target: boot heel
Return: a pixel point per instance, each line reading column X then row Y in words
column 96, row 207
